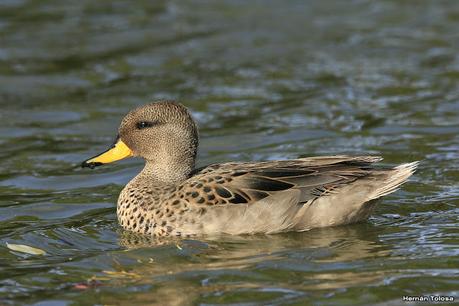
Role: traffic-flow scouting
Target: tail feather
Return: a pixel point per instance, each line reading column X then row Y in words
column 397, row 177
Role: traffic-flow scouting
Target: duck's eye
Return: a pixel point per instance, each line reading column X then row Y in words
column 144, row 124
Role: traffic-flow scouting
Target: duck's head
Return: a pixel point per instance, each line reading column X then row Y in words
column 163, row 133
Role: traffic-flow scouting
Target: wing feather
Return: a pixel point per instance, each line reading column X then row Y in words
column 247, row 183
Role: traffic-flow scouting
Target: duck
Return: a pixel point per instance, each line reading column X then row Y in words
column 171, row 197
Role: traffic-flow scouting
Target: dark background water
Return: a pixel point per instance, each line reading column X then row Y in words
column 265, row 80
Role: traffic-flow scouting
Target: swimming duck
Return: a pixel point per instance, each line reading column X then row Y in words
column 170, row 197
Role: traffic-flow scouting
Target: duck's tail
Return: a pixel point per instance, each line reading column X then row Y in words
column 395, row 179
column 354, row 202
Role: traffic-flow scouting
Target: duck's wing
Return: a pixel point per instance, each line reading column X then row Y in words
column 248, row 183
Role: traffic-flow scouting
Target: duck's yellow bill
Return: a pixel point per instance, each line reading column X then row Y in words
column 118, row 151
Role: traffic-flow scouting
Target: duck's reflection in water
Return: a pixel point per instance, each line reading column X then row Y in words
column 318, row 246
column 327, row 258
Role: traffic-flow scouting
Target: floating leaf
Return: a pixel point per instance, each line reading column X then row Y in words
column 25, row 249
column 122, row 274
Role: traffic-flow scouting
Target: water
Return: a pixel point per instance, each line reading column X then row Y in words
column 265, row 80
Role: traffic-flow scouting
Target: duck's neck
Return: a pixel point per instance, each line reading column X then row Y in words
column 170, row 172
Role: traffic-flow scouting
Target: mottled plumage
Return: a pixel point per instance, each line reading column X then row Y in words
column 170, row 197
